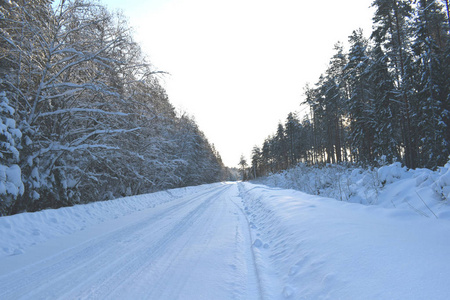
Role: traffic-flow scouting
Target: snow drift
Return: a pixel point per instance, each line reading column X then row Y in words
column 319, row 248
column 392, row 186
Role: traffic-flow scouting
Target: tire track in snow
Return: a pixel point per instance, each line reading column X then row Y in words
column 203, row 228
column 250, row 246
column 145, row 259
column 195, row 247
column 92, row 259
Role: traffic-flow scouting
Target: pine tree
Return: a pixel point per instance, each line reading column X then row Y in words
column 257, row 162
column 431, row 40
column 281, row 148
column 360, row 105
column 294, row 138
column 391, row 31
column 387, row 138
column 243, row 164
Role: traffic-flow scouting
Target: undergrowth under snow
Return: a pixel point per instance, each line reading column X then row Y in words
column 424, row 191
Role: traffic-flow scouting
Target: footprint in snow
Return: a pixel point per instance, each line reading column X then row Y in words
column 5, row 225
column 257, row 243
column 295, row 268
column 288, row 292
column 17, row 252
column 329, row 278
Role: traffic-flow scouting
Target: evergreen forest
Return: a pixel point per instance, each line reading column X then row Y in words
column 385, row 99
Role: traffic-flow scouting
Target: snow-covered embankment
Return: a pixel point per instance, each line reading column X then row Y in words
column 321, row 248
column 18, row 232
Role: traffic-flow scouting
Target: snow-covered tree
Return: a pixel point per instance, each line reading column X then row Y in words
column 387, row 99
column 387, row 135
column 11, row 185
column 430, row 43
column 360, row 104
column 243, row 167
column 391, row 30
column 95, row 122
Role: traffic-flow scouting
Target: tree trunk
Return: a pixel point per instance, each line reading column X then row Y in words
column 448, row 14
column 338, row 141
column 409, row 155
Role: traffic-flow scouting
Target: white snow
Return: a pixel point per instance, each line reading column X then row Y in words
column 10, row 180
column 320, row 248
column 423, row 191
column 19, row 232
column 442, row 183
column 233, row 241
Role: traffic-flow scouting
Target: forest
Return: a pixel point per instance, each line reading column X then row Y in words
column 83, row 116
column 386, row 99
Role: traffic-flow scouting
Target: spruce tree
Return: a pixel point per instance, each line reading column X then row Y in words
column 360, row 103
column 430, row 43
column 391, row 32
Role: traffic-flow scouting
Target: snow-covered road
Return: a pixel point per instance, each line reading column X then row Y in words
column 194, row 247
column 224, row 241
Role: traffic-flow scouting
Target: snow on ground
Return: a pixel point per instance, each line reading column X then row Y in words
column 321, row 248
column 423, row 191
column 230, row 241
column 193, row 246
column 18, row 232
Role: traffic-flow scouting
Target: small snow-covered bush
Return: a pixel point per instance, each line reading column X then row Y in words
column 424, row 177
column 389, row 174
column 330, row 181
column 442, row 184
column 390, row 186
column 345, row 183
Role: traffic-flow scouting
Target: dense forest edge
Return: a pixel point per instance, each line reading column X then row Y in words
column 386, row 100
column 83, row 115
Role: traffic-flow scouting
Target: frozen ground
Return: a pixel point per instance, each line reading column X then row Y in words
column 224, row 241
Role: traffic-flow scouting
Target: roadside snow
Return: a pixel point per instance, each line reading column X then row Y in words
column 19, row 232
column 197, row 246
column 321, row 248
column 423, row 191
column 236, row 241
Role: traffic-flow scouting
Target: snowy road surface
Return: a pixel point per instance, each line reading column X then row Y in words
column 195, row 247
column 224, row 241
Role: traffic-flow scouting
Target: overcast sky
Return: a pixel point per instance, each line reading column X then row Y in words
column 240, row 66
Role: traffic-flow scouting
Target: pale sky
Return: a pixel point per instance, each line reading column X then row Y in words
column 240, row 66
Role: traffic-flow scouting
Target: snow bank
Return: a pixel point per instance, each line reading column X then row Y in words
column 18, row 232
column 424, row 191
column 319, row 248
column 390, row 174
